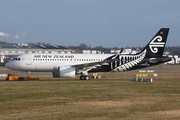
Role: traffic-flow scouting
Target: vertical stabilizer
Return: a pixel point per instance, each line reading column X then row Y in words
column 156, row 46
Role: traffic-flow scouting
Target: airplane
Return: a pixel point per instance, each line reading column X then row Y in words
column 68, row 65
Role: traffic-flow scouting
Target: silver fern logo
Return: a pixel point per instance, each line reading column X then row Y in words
column 129, row 61
column 155, row 45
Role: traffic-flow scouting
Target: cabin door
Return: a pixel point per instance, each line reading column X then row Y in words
column 28, row 59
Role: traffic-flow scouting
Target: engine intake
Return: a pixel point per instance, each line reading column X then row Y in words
column 64, row 71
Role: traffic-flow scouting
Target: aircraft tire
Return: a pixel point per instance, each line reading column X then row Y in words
column 87, row 78
column 84, row 77
column 81, row 77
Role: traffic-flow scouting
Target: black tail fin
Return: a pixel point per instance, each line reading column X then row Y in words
column 156, row 46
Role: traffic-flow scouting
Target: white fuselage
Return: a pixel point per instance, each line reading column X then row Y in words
column 47, row 62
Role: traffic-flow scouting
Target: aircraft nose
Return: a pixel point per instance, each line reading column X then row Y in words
column 8, row 65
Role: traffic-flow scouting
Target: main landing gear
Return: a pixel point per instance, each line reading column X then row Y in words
column 84, row 77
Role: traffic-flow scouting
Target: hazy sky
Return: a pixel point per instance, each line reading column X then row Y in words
column 109, row 23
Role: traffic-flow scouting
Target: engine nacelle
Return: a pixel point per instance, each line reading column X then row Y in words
column 64, row 71
column 153, row 60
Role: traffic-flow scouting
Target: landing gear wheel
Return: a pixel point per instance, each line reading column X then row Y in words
column 81, row 77
column 84, row 77
column 87, row 78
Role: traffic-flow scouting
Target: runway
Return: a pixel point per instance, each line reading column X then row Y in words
column 4, row 70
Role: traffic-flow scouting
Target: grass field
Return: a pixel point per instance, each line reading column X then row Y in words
column 115, row 96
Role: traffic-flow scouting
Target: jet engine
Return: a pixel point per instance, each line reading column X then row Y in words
column 64, row 71
column 153, row 60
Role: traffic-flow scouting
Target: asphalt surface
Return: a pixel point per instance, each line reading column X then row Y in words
column 3, row 70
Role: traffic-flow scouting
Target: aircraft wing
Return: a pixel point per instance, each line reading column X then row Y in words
column 89, row 66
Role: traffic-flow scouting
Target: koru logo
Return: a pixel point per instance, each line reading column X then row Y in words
column 156, row 43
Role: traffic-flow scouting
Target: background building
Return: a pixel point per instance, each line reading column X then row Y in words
column 7, row 51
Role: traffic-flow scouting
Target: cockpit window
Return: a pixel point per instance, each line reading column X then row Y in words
column 16, row 59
